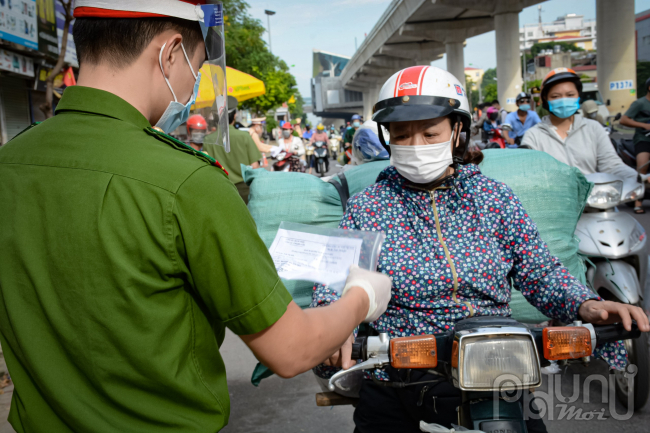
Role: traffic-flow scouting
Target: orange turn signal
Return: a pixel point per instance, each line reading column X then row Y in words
column 566, row 342
column 414, row 352
column 454, row 354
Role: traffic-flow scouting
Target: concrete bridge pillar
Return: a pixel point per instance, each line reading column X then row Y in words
column 370, row 97
column 616, row 53
column 509, row 81
column 456, row 60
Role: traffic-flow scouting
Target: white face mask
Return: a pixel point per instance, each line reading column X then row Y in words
column 422, row 164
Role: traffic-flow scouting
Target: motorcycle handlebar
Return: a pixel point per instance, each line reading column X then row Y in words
column 615, row 332
column 604, row 334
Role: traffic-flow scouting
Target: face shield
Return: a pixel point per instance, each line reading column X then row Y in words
column 212, row 88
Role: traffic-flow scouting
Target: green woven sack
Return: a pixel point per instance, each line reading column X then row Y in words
column 554, row 195
column 300, row 198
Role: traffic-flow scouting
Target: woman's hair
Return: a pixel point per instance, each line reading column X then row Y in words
column 473, row 156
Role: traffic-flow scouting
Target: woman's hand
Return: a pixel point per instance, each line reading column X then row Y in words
column 605, row 312
column 343, row 356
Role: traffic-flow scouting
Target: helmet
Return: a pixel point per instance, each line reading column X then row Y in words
column 366, row 146
column 589, row 107
column 196, row 128
column 647, row 83
column 522, row 95
column 419, row 93
column 185, row 9
column 559, row 75
column 287, row 125
column 196, row 122
column 356, row 117
column 492, row 113
column 320, row 127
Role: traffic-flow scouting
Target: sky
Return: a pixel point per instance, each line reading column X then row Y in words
column 299, row 26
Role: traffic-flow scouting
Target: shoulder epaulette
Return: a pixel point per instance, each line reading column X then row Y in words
column 177, row 144
column 26, row 129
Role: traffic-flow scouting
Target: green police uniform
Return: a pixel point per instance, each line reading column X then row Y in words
column 243, row 150
column 124, row 255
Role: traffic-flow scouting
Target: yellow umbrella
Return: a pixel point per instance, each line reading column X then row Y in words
column 240, row 85
column 243, row 86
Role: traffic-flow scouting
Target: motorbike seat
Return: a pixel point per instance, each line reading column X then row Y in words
column 628, row 145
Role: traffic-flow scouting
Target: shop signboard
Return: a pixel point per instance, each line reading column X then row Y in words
column 12, row 62
column 46, row 19
column 18, row 22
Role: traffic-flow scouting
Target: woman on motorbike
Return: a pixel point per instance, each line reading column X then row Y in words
column 290, row 143
column 568, row 136
column 492, row 122
column 454, row 240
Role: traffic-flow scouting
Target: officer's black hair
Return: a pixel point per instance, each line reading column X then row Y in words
column 231, row 116
column 120, row 41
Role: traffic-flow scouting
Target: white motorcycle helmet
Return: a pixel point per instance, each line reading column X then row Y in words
column 423, row 92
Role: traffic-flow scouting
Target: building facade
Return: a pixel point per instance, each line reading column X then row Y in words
column 571, row 28
column 30, row 38
column 475, row 75
column 642, row 33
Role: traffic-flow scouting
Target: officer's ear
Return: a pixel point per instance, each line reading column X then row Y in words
column 172, row 53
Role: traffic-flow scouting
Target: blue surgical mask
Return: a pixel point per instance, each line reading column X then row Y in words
column 356, row 124
column 177, row 113
column 524, row 107
column 564, row 107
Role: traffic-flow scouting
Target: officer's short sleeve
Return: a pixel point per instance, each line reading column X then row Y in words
column 226, row 262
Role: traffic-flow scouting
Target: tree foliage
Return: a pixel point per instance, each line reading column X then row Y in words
column 471, row 93
column 642, row 74
column 564, row 46
column 247, row 51
column 489, row 77
column 490, row 92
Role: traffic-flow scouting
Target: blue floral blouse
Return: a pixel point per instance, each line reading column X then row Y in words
column 452, row 252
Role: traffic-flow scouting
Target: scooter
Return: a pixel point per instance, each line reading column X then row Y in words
column 321, row 158
column 334, row 144
column 492, row 360
column 288, row 162
column 495, row 139
column 615, row 244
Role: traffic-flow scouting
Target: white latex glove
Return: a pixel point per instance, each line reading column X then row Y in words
column 376, row 285
column 644, row 177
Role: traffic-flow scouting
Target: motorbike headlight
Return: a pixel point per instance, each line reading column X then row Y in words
column 635, row 194
column 606, row 195
column 497, row 362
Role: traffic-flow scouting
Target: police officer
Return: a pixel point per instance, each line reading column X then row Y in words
column 242, row 151
column 125, row 254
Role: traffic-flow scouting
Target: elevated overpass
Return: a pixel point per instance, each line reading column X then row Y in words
column 417, row 32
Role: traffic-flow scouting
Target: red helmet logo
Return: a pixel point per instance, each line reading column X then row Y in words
column 459, row 89
column 407, row 86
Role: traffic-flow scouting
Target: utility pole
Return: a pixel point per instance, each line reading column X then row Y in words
column 355, row 43
column 268, row 22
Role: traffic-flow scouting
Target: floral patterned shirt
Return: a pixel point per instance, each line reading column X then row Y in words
column 452, row 253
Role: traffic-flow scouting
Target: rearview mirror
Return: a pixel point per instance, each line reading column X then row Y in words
column 609, row 102
column 618, row 116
